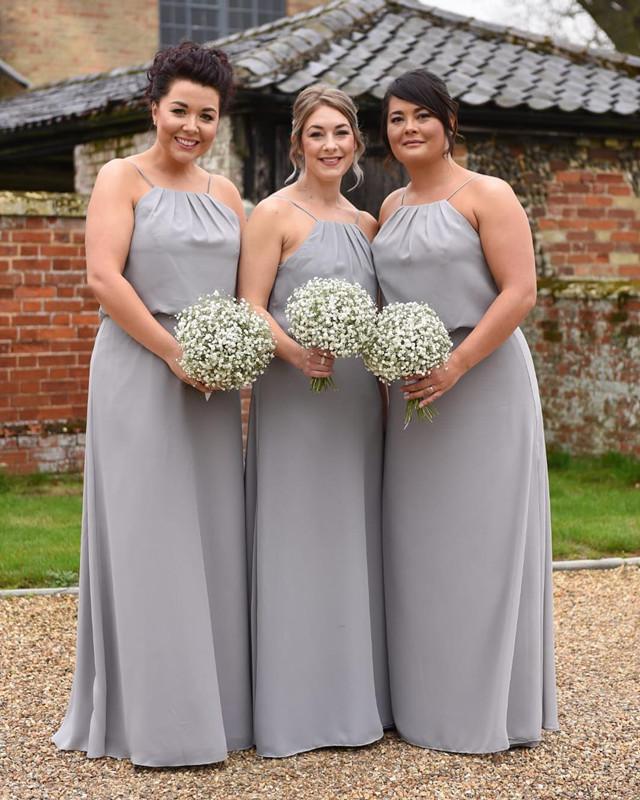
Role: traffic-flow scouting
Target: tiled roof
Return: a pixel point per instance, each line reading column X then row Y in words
column 360, row 46
column 13, row 74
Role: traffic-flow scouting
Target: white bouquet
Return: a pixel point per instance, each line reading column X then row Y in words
column 409, row 339
column 225, row 343
column 333, row 315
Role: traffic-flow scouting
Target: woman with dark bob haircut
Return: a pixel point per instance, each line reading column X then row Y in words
column 163, row 672
column 466, row 531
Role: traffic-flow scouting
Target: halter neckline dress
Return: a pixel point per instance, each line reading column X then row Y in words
column 163, row 664
column 466, row 526
column 313, row 486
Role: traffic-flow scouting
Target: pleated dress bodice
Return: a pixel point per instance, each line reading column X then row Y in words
column 331, row 250
column 431, row 253
column 184, row 245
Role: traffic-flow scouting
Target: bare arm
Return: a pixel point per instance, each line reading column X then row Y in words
column 506, row 241
column 108, row 237
column 262, row 245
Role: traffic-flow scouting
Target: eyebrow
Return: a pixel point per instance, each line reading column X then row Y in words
column 321, row 127
column 186, row 105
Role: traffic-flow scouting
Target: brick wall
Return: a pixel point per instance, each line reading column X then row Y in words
column 56, row 39
column 585, row 333
column 296, row 6
column 47, row 325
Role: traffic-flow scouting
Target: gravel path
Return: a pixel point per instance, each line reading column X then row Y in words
column 596, row 755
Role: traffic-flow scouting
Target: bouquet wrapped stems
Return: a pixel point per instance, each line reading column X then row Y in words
column 409, row 339
column 331, row 314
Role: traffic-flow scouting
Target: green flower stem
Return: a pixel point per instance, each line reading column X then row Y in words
column 413, row 408
column 322, row 384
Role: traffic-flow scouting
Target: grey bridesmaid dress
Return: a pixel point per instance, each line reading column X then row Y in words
column 466, row 526
column 313, row 485
column 163, row 672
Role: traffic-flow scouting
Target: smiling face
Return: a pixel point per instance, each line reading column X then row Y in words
column 186, row 118
column 328, row 143
column 414, row 133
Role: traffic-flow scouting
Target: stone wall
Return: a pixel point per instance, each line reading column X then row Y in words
column 223, row 158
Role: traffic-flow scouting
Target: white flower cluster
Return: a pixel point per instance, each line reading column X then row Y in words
column 409, row 339
column 225, row 343
column 333, row 315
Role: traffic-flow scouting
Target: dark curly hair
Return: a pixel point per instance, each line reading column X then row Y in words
column 427, row 91
column 189, row 61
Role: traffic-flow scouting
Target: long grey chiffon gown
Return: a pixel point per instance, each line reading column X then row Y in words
column 163, row 671
column 466, row 527
column 313, row 484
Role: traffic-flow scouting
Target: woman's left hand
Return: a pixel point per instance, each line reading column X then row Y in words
column 428, row 388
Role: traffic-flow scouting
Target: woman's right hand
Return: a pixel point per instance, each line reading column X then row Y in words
column 172, row 359
column 315, row 363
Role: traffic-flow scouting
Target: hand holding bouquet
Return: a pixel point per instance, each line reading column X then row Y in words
column 409, row 339
column 331, row 314
column 225, row 343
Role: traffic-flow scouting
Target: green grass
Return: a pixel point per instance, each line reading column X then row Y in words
column 595, row 507
column 39, row 530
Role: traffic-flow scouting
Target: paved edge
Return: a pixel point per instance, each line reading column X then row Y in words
column 558, row 566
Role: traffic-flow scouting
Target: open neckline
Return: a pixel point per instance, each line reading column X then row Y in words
column 186, row 191
column 427, row 205
column 313, row 229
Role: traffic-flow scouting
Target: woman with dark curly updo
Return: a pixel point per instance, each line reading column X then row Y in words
column 162, row 674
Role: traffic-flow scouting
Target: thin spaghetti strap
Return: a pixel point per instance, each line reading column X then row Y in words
column 209, row 183
column 142, row 174
column 355, row 221
column 462, row 185
column 297, row 205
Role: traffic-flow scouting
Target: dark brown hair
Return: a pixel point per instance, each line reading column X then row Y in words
column 426, row 90
column 192, row 62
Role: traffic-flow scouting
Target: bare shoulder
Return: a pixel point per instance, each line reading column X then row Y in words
column 390, row 204
column 271, row 217
column 368, row 224
column 226, row 191
column 487, row 189
column 117, row 184
column 118, row 172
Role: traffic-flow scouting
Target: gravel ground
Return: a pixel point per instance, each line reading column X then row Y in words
column 596, row 754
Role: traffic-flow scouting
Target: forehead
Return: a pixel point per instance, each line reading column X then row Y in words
column 194, row 94
column 396, row 104
column 326, row 117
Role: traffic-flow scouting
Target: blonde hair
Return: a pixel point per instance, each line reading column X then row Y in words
column 308, row 101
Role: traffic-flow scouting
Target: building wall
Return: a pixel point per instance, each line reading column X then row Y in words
column 296, row 6
column 582, row 200
column 223, row 158
column 57, row 39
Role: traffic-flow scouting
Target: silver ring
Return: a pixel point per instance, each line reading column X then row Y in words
column 322, row 360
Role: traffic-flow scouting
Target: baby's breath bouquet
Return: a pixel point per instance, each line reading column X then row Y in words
column 409, row 339
column 333, row 315
column 225, row 343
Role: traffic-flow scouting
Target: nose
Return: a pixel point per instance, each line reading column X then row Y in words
column 330, row 143
column 190, row 122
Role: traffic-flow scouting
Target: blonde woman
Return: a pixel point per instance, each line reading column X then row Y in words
column 314, row 462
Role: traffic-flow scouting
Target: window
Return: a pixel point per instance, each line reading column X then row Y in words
column 205, row 20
